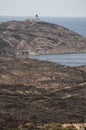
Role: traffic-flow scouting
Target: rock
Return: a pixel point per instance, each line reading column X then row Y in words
column 38, row 37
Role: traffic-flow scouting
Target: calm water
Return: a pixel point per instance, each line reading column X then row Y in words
column 75, row 24
column 64, row 59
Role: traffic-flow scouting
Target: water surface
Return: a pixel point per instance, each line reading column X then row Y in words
column 64, row 59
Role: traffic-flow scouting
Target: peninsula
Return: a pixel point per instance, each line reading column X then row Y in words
column 37, row 37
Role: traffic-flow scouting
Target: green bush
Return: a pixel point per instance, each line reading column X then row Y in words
column 46, row 127
column 14, row 128
column 57, row 126
column 30, row 125
column 70, row 128
column 53, row 126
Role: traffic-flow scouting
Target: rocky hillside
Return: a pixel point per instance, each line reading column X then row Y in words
column 37, row 37
column 47, row 91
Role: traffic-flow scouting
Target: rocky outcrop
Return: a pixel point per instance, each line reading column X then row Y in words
column 38, row 37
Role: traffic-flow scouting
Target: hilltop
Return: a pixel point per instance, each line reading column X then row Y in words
column 38, row 37
column 48, row 91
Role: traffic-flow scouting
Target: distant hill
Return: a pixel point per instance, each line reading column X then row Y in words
column 38, row 37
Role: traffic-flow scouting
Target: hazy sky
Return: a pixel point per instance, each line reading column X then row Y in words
column 62, row 8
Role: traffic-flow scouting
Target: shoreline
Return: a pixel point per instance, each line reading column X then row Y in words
column 59, row 53
column 72, row 59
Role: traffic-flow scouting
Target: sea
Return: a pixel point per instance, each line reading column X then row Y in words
column 76, row 24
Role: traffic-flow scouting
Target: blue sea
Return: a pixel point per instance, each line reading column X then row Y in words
column 76, row 24
column 77, row 59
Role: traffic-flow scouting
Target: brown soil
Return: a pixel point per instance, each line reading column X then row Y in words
column 49, row 91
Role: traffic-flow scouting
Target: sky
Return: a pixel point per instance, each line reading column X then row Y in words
column 51, row 8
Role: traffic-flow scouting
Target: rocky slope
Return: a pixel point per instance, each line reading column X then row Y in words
column 37, row 37
column 48, row 91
